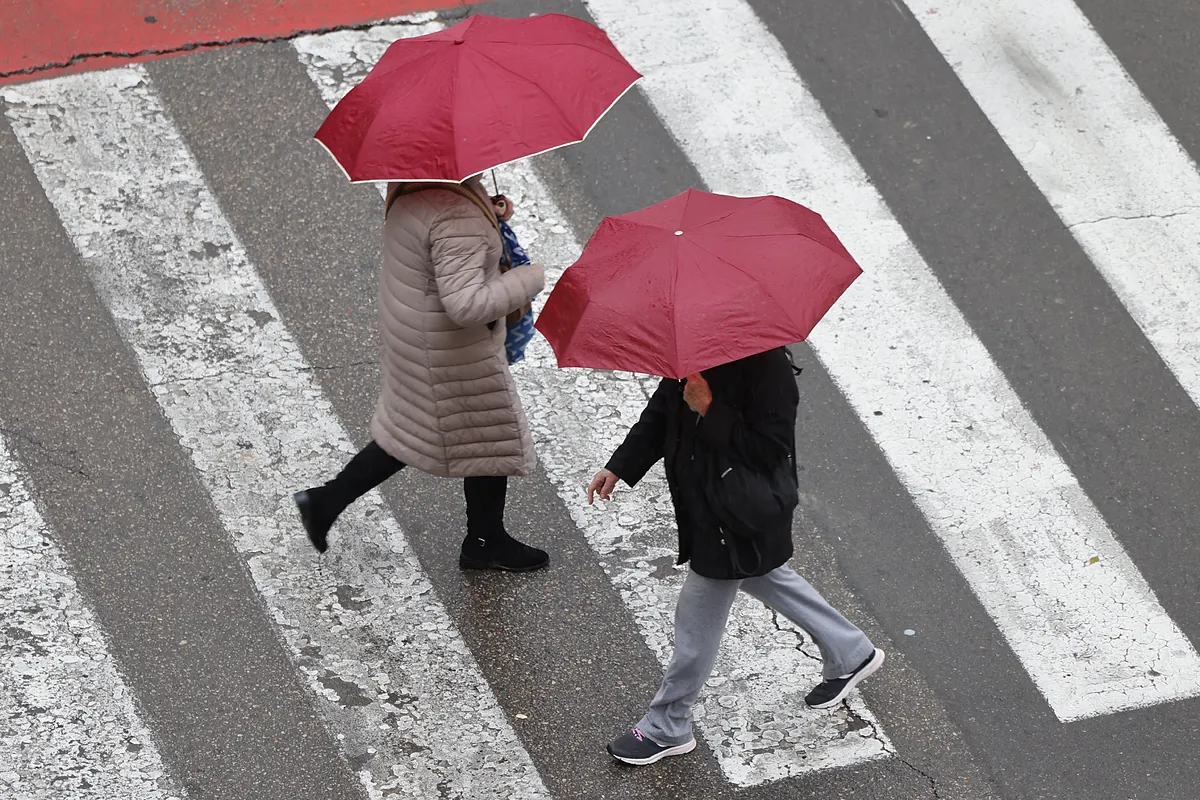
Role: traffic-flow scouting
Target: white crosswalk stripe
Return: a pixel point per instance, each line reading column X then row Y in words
column 392, row 676
column 1095, row 147
column 69, row 727
column 242, row 400
column 1007, row 508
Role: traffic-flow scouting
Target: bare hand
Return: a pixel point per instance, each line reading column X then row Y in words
column 697, row 394
column 540, row 271
column 503, row 207
column 603, row 484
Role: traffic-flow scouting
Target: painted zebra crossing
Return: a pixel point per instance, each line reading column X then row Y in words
column 71, row 727
column 407, row 702
column 1115, row 175
column 997, row 480
column 742, row 721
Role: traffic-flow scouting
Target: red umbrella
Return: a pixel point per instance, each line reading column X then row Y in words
column 693, row 282
column 487, row 91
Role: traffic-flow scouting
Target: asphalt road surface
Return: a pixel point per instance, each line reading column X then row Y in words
column 999, row 429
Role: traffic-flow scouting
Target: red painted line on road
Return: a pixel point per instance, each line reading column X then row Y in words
column 42, row 38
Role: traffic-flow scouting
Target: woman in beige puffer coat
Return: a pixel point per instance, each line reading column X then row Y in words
column 447, row 405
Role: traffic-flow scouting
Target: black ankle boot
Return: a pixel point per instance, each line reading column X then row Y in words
column 500, row 552
column 316, row 520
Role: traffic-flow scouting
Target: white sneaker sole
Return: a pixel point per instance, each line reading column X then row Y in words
column 870, row 669
column 677, row 750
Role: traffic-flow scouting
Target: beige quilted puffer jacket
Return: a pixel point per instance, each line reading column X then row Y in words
column 447, row 404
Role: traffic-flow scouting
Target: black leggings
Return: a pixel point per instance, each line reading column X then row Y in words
column 372, row 466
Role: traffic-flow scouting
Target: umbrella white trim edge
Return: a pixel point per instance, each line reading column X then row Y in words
column 624, row 92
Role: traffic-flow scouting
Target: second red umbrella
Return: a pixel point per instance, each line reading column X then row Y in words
column 696, row 281
column 487, row 91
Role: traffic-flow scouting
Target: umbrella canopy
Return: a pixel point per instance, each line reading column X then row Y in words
column 696, row 281
column 485, row 92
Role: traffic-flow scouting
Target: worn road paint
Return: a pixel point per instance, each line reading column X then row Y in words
column 44, row 38
column 69, row 726
column 1108, row 164
column 1010, row 513
column 390, row 671
column 753, row 715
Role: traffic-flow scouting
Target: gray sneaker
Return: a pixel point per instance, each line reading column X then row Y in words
column 634, row 747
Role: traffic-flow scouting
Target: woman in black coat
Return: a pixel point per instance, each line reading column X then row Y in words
column 739, row 414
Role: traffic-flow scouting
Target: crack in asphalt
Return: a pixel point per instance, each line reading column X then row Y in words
column 52, row 453
column 67, row 624
column 323, row 367
column 858, row 722
column 800, row 640
column 188, row 47
column 1182, row 212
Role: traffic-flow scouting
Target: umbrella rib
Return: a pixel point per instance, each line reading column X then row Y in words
column 378, row 112
column 553, row 103
column 379, row 74
column 844, row 254
column 434, row 48
column 687, row 201
column 625, row 220
column 564, row 144
column 761, row 235
column 779, row 304
column 674, row 314
column 730, row 214
column 605, row 52
column 454, row 121
column 495, row 102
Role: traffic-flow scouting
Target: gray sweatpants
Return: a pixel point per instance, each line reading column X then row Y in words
column 700, row 617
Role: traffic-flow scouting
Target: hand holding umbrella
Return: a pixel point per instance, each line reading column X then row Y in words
column 697, row 394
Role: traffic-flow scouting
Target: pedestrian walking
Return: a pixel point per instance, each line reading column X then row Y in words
column 736, row 423
column 434, row 113
column 707, row 290
column 448, row 404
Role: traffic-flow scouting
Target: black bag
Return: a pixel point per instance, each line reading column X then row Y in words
column 749, row 503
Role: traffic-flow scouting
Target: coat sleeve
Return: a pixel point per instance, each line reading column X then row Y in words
column 646, row 441
column 458, row 243
column 762, row 432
